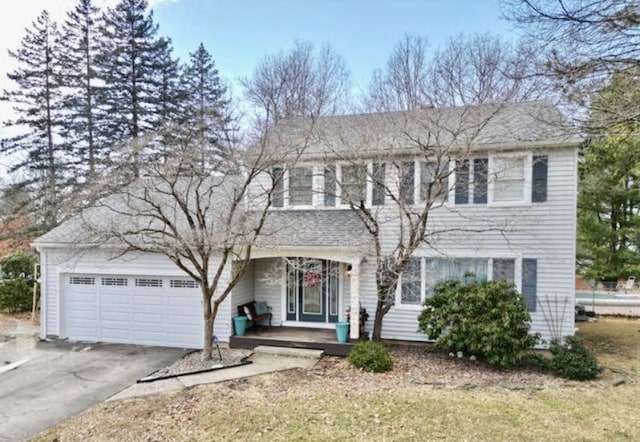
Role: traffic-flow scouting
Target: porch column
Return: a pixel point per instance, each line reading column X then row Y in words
column 354, row 318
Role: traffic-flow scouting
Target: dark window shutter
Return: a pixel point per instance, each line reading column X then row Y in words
column 277, row 199
column 504, row 269
column 462, row 182
column 530, row 282
column 330, row 186
column 377, row 199
column 480, row 171
column 539, row 178
column 407, row 184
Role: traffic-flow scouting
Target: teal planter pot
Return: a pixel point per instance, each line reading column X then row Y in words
column 240, row 324
column 342, row 331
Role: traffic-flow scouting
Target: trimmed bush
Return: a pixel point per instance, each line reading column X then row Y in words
column 572, row 360
column 371, row 356
column 486, row 319
column 16, row 295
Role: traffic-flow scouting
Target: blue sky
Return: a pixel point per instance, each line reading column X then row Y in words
column 238, row 33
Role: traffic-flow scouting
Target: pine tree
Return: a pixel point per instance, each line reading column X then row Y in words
column 36, row 105
column 206, row 108
column 79, row 50
column 167, row 82
column 129, row 61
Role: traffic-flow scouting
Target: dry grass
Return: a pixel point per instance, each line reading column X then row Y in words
column 427, row 397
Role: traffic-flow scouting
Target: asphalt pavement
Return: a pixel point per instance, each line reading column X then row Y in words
column 44, row 383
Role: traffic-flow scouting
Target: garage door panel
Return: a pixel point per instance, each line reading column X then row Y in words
column 148, row 300
column 142, row 311
column 148, row 318
column 115, row 298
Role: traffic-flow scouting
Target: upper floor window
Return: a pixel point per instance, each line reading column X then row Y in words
column 301, row 186
column 378, row 183
column 502, row 179
column 353, row 183
column 509, row 179
column 434, row 183
column 408, row 181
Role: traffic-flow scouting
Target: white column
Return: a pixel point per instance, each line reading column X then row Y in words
column 354, row 320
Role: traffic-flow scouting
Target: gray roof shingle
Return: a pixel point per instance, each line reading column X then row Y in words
column 317, row 228
column 532, row 124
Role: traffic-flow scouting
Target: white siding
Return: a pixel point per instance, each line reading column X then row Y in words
column 269, row 286
column 544, row 231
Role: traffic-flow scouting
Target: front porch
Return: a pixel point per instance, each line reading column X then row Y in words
column 293, row 337
column 310, row 293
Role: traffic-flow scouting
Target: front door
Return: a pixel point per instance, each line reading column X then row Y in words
column 312, row 290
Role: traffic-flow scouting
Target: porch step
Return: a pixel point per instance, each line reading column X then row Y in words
column 288, row 351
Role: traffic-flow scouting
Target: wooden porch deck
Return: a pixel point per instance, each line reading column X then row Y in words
column 317, row 339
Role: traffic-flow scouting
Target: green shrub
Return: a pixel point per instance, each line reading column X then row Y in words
column 18, row 265
column 16, row 295
column 371, row 356
column 572, row 360
column 486, row 319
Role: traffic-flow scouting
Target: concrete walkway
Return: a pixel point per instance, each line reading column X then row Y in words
column 264, row 360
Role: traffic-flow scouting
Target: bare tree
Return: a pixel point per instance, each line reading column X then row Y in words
column 585, row 43
column 397, row 215
column 297, row 83
column 469, row 70
column 204, row 219
column 483, row 69
column 401, row 84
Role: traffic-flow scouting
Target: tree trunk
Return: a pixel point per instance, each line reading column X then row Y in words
column 377, row 322
column 209, row 319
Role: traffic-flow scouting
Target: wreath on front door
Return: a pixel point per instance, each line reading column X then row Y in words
column 311, row 279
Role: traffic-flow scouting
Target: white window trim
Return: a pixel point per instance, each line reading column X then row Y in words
column 418, row 183
column 526, row 197
column 368, row 185
column 314, row 189
column 423, row 277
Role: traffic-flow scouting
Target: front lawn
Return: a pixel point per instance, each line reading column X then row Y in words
column 428, row 396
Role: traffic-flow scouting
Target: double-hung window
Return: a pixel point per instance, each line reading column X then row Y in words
column 411, row 287
column 301, row 186
column 509, row 179
column 353, row 183
column 434, row 182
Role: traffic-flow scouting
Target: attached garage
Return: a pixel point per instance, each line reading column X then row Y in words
column 144, row 310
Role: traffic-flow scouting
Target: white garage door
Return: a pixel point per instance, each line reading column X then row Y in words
column 145, row 310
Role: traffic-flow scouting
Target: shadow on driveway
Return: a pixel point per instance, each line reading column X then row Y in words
column 52, row 381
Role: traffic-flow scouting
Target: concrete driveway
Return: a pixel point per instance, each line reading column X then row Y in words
column 44, row 383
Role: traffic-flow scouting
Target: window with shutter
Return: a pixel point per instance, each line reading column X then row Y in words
column 539, row 178
column 530, row 282
column 462, row 182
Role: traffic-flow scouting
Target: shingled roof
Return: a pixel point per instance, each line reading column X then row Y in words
column 534, row 124
column 320, row 228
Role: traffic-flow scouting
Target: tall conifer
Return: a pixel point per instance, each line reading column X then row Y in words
column 36, row 108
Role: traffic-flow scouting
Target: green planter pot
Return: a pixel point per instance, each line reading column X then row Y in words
column 342, row 331
column 240, row 324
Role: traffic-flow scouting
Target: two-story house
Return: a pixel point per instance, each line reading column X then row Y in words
column 499, row 183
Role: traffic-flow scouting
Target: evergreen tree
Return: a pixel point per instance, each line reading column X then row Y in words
column 206, row 108
column 80, row 47
column 129, row 65
column 36, row 105
column 609, row 187
column 167, row 73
